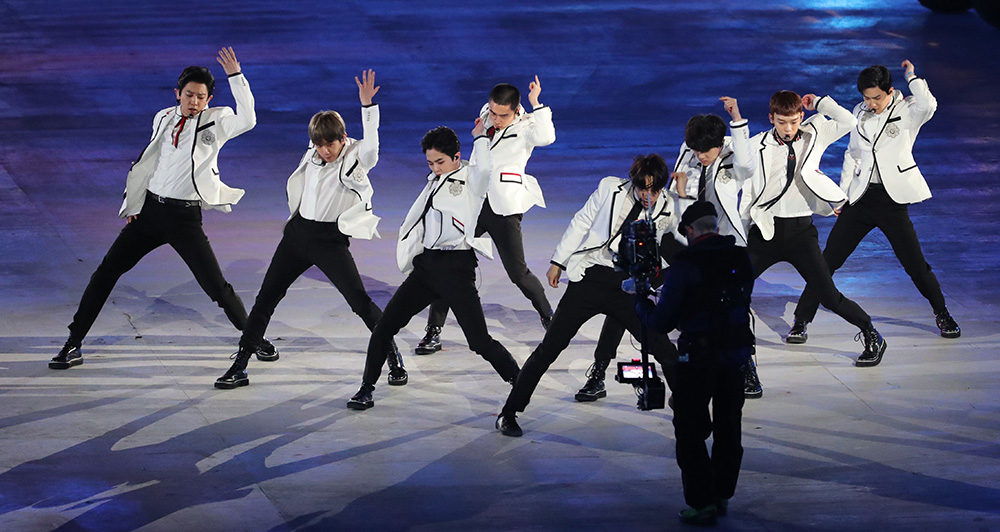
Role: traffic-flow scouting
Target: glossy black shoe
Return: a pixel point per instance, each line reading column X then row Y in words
column 546, row 321
column 797, row 335
column 431, row 341
column 266, row 351
column 68, row 357
column 363, row 399
column 237, row 374
column 699, row 516
column 397, row 373
column 594, row 389
column 751, row 386
column 874, row 348
column 507, row 424
column 949, row 329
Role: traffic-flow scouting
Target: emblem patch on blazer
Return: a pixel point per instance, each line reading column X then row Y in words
column 661, row 224
column 892, row 130
column 208, row 137
column 724, row 176
column 455, row 188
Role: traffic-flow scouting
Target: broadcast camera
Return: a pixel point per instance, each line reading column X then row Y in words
column 652, row 392
column 638, row 255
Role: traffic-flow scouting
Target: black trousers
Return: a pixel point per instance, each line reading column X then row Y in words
column 708, row 477
column 875, row 209
column 305, row 243
column 451, row 277
column 158, row 224
column 506, row 234
column 599, row 292
column 796, row 241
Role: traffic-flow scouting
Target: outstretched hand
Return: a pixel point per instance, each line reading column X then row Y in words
column 534, row 89
column 729, row 104
column 366, row 86
column 227, row 58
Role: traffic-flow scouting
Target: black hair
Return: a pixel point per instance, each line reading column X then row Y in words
column 442, row 139
column 875, row 76
column 704, row 132
column 506, row 94
column 651, row 165
column 197, row 74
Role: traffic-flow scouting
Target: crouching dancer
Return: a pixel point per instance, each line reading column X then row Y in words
column 437, row 249
column 329, row 196
column 706, row 295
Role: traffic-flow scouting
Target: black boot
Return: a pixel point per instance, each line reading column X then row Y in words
column 431, row 341
column 874, row 348
column 797, row 335
column 68, row 356
column 594, row 388
column 363, row 399
column 751, row 386
column 266, row 351
column 397, row 373
column 237, row 374
column 949, row 329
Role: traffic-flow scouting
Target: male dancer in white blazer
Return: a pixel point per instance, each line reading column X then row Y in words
column 881, row 180
column 513, row 135
column 174, row 178
column 783, row 188
column 585, row 254
column 437, row 250
column 329, row 197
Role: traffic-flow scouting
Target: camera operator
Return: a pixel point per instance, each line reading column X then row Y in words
column 585, row 253
column 706, row 296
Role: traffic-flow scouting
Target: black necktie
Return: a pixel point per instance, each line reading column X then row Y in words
column 701, row 184
column 789, row 172
column 632, row 215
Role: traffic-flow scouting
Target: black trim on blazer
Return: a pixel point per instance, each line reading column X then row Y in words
column 746, row 123
column 520, row 181
column 236, row 74
column 206, row 126
column 907, row 169
column 427, row 205
column 894, row 119
column 373, row 104
column 554, row 263
column 351, row 170
column 540, row 106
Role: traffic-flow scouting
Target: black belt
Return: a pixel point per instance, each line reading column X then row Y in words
column 171, row 201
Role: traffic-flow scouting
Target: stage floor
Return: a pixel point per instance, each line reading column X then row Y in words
column 138, row 438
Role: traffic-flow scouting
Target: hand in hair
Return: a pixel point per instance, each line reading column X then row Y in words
column 534, row 89
column 729, row 104
column 809, row 102
column 227, row 58
column 366, row 86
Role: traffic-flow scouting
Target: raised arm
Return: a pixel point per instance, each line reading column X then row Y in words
column 739, row 128
column 246, row 117
column 841, row 120
column 541, row 132
column 923, row 104
column 368, row 145
column 481, row 162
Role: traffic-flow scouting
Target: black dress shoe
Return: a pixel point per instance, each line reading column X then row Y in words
column 546, row 321
column 237, row 374
column 363, row 399
column 507, row 423
column 266, row 351
column 431, row 341
column 68, row 357
column 797, row 335
column 874, row 348
column 751, row 386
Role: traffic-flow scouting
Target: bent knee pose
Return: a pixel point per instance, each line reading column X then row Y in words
column 881, row 180
column 783, row 187
column 329, row 197
column 585, row 254
column 437, row 250
column 512, row 135
column 175, row 176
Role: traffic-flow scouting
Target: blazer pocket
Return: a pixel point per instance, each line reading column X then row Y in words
column 510, row 177
column 907, row 169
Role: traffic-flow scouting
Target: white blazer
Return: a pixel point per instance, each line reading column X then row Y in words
column 720, row 179
column 455, row 200
column 511, row 190
column 594, row 226
column 755, row 160
column 358, row 220
column 891, row 149
column 214, row 126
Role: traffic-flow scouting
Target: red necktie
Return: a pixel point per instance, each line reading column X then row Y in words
column 176, row 135
column 491, row 131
